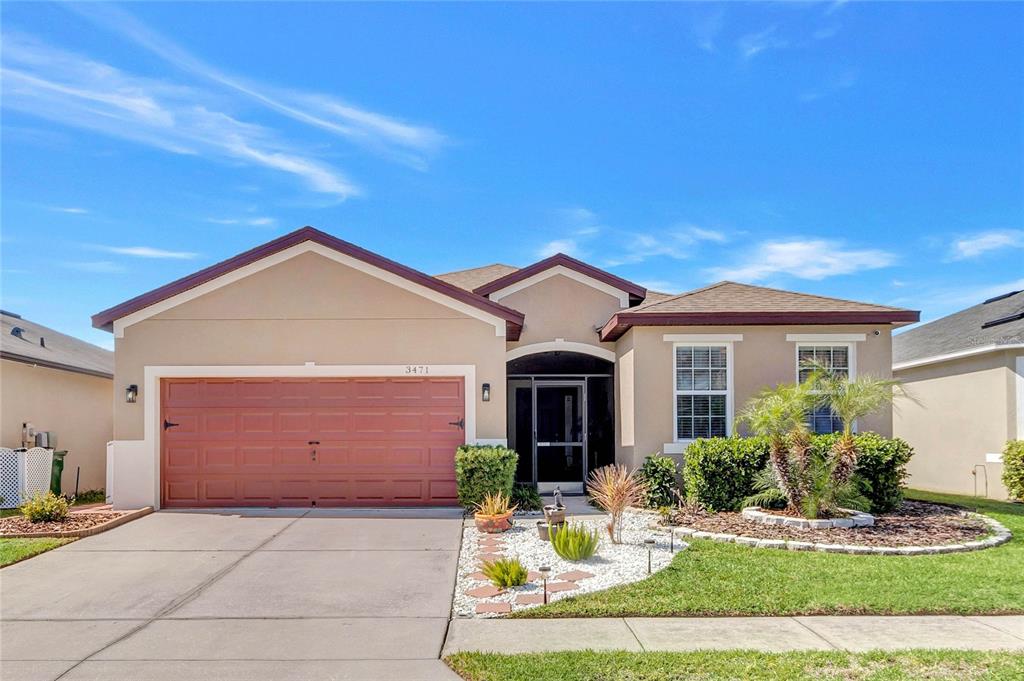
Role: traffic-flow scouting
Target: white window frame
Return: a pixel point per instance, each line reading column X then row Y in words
column 851, row 356
column 729, row 392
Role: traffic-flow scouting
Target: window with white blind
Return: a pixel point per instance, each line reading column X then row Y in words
column 703, row 400
column 837, row 358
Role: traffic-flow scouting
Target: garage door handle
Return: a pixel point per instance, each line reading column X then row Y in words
column 461, row 423
column 168, row 424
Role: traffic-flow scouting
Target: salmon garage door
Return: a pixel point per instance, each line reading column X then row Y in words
column 310, row 442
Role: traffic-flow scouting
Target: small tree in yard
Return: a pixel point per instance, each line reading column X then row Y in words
column 615, row 489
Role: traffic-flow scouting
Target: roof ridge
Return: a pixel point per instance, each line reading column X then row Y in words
column 470, row 269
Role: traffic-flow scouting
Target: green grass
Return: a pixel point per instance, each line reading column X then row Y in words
column 711, row 578
column 14, row 550
column 934, row 665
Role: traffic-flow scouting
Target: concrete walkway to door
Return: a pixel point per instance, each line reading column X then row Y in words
column 238, row 594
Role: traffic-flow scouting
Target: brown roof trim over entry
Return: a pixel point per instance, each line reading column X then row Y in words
column 635, row 291
column 105, row 319
column 623, row 321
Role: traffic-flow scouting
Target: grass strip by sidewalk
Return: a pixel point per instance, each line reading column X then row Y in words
column 15, row 550
column 935, row 665
column 712, row 578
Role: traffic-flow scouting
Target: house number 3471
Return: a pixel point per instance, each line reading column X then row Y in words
column 417, row 369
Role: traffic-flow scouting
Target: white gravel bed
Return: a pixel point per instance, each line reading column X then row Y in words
column 613, row 564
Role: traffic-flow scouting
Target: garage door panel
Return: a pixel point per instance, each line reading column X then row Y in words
column 247, row 442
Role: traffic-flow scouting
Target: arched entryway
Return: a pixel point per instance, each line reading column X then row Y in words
column 561, row 417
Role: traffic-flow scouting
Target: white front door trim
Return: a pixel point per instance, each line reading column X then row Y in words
column 153, row 375
column 559, row 345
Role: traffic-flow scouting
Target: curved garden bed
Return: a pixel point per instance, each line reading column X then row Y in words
column 914, row 528
column 77, row 524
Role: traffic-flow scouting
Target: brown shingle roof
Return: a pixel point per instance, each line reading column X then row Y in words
column 20, row 342
column 728, row 302
column 476, row 276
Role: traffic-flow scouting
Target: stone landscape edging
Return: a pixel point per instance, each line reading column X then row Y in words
column 854, row 519
column 84, row 532
column 1000, row 535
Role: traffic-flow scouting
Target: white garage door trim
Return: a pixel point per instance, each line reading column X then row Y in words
column 153, row 374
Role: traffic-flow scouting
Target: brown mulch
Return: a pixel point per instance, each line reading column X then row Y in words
column 75, row 521
column 915, row 523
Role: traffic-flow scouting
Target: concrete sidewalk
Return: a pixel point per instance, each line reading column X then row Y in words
column 770, row 634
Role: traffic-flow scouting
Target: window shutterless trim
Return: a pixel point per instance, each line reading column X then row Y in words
column 729, row 392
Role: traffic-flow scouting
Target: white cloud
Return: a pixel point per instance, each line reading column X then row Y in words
column 75, row 91
column 983, row 242
column 566, row 246
column 814, row 259
column 678, row 243
column 706, row 30
column 843, row 81
column 253, row 222
column 753, row 44
column 72, row 210
column 404, row 141
column 95, row 267
column 825, row 33
column 148, row 252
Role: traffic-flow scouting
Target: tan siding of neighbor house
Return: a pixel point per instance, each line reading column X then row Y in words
column 967, row 409
column 312, row 309
column 763, row 358
column 76, row 406
column 560, row 307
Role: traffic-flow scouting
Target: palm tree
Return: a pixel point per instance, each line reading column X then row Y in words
column 849, row 400
column 780, row 414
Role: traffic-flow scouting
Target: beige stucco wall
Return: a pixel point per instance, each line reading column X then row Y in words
column 311, row 309
column 763, row 358
column 75, row 406
column 560, row 307
column 966, row 408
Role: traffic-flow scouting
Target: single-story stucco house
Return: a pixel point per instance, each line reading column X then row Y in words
column 309, row 371
column 61, row 384
column 966, row 373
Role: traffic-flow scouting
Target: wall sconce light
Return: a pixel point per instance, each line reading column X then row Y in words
column 486, row 392
column 131, row 394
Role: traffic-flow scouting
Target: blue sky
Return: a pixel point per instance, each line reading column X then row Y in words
column 868, row 151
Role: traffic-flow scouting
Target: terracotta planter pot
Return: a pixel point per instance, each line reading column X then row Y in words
column 493, row 524
column 544, row 529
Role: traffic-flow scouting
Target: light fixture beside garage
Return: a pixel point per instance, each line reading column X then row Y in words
column 131, row 394
column 486, row 392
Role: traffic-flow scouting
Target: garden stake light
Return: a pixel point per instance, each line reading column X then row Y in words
column 544, row 573
column 650, row 548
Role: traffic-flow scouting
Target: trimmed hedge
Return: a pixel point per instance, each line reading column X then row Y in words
column 484, row 469
column 1013, row 468
column 659, row 477
column 719, row 472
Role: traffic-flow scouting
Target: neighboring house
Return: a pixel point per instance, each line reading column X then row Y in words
column 966, row 372
column 309, row 371
column 61, row 384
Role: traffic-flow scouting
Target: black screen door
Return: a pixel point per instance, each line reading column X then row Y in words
column 561, row 435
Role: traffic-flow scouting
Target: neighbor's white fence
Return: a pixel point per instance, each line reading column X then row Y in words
column 23, row 474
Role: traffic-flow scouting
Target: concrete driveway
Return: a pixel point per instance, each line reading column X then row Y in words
column 243, row 594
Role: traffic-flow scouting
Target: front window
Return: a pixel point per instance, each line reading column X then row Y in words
column 701, row 391
column 835, row 358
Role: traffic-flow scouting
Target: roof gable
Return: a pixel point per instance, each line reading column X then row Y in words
column 731, row 303
column 476, row 276
column 634, row 292
column 299, row 241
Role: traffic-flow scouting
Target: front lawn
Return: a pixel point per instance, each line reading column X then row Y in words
column 711, row 665
column 712, row 578
column 14, row 550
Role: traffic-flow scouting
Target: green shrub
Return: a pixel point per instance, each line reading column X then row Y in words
column 43, row 507
column 483, row 469
column 505, row 572
column 659, row 477
column 1013, row 468
column 720, row 473
column 574, row 542
column 526, row 498
column 90, row 496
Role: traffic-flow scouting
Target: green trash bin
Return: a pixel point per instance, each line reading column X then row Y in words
column 57, row 470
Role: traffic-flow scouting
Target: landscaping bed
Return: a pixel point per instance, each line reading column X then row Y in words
column 612, row 565
column 913, row 524
column 77, row 524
